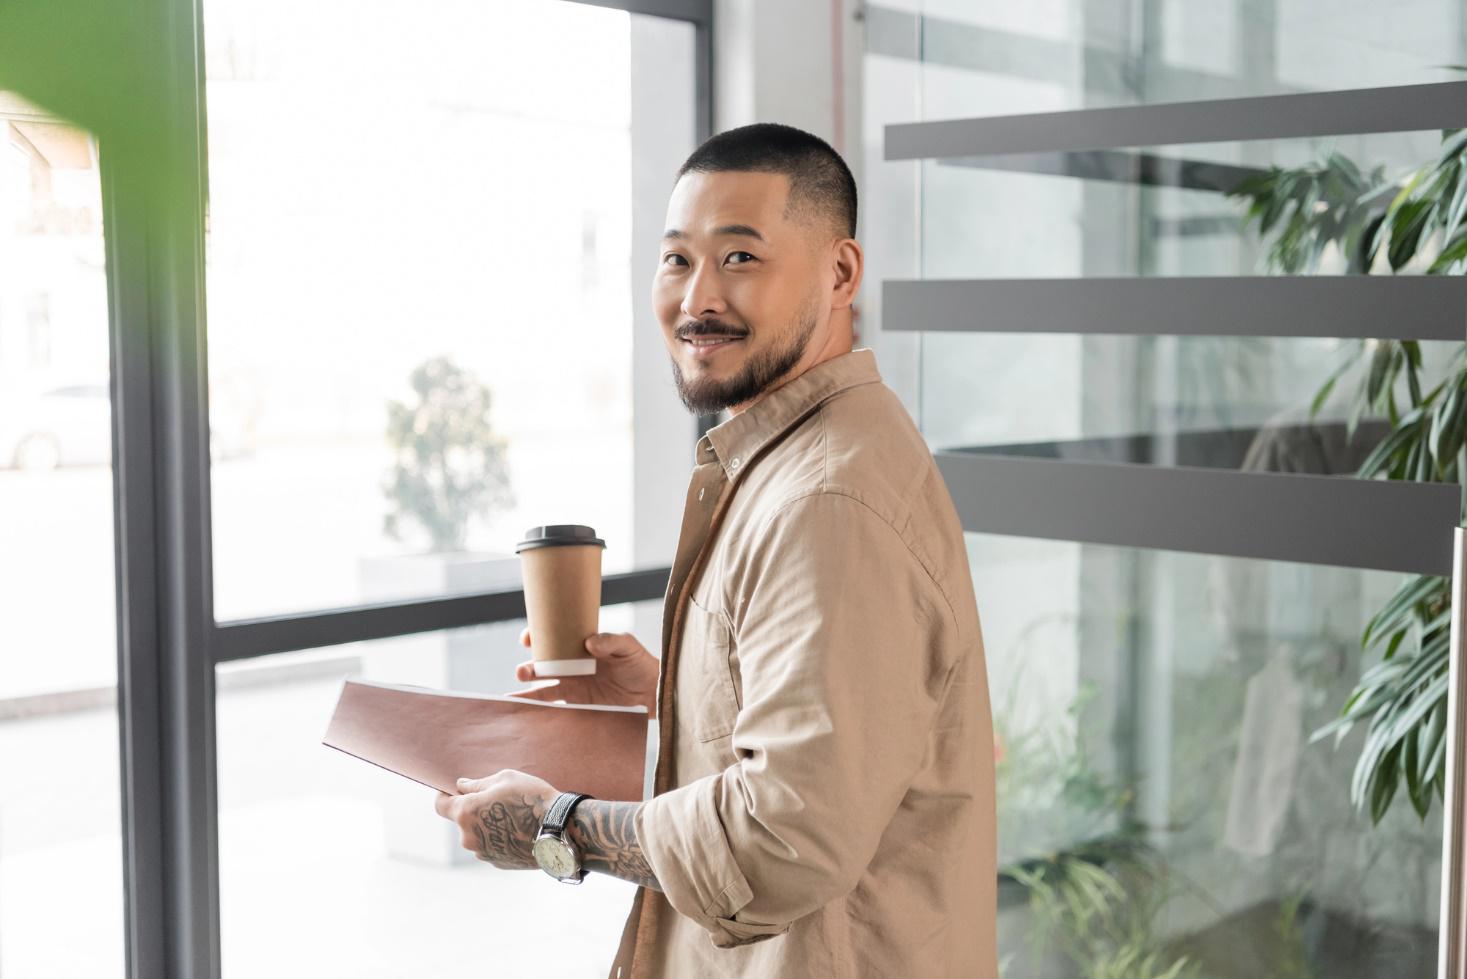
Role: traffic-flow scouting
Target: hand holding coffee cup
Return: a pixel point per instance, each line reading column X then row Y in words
column 626, row 675
column 561, row 568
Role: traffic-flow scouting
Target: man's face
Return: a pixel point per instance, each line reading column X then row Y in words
column 739, row 289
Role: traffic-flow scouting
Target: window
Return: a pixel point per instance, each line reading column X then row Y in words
column 427, row 275
column 60, row 809
column 378, row 883
column 350, row 215
column 434, row 206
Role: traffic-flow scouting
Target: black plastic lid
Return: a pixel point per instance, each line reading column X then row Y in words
column 558, row 535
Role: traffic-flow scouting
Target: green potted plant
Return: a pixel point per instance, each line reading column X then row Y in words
column 1384, row 225
column 1097, row 904
column 1092, row 905
column 449, row 464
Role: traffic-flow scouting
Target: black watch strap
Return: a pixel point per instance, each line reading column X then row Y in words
column 560, row 811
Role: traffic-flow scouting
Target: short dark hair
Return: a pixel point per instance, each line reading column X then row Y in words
column 821, row 184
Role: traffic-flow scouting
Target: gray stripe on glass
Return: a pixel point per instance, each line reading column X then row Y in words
column 1415, row 307
column 1330, row 520
column 1394, row 109
column 932, row 40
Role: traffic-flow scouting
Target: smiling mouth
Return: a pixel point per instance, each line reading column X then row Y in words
column 702, row 345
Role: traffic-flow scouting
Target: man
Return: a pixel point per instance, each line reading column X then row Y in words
column 823, row 803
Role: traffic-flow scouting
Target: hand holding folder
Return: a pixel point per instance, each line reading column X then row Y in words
column 436, row 737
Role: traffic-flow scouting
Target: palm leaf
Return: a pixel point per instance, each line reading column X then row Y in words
column 1400, row 605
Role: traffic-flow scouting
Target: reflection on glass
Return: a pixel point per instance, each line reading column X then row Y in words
column 1153, row 713
column 988, row 58
column 1174, row 210
column 60, row 840
column 347, row 867
column 1162, row 810
column 1244, row 403
column 1161, row 212
column 419, row 275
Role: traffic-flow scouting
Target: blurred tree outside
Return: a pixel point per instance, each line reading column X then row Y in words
column 449, row 464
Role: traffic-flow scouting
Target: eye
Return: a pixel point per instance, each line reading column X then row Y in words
column 732, row 254
column 673, row 255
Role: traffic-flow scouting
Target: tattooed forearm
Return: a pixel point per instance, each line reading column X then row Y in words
column 607, row 839
column 507, row 833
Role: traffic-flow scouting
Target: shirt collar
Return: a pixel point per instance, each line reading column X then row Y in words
column 736, row 442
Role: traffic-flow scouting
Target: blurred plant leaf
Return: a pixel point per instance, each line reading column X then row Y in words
column 1420, row 218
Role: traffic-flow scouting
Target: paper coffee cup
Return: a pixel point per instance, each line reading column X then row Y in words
column 561, row 568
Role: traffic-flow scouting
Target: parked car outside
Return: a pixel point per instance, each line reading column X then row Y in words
column 47, row 426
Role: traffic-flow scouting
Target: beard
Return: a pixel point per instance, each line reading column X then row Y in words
column 761, row 372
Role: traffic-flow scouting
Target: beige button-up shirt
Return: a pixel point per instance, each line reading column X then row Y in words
column 823, row 800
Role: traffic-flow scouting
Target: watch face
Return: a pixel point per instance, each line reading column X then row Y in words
column 555, row 857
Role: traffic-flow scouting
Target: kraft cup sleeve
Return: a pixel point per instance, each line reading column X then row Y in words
column 436, row 737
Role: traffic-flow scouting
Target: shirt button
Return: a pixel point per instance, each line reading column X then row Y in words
column 733, row 463
column 702, row 491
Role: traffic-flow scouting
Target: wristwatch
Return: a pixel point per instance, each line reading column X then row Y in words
column 555, row 854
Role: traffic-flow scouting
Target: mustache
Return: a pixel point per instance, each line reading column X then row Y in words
column 708, row 328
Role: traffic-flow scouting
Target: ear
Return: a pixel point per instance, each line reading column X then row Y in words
column 848, row 262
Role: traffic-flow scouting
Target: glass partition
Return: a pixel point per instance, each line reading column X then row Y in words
column 1163, row 810
column 1241, row 403
column 988, row 58
column 1154, row 712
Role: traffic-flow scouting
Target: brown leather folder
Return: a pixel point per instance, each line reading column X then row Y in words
column 436, row 737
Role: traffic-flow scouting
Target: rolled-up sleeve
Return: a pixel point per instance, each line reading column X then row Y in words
column 838, row 629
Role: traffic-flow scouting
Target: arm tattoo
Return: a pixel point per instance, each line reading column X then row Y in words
column 607, row 838
column 506, row 834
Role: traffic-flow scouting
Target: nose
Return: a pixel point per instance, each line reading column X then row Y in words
column 702, row 295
